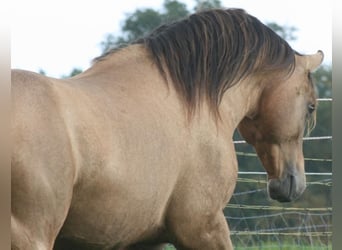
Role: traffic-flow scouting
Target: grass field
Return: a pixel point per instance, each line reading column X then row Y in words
column 272, row 246
column 284, row 247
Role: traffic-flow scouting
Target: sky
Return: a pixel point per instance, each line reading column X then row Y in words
column 57, row 36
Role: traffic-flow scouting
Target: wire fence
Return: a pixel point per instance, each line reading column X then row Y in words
column 275, row 225
column 257, row 222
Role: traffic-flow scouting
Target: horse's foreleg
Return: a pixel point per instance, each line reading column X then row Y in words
column 206, row 232
column 22, row 238
column 39, row 208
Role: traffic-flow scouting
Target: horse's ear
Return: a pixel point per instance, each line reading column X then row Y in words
column 314, row 61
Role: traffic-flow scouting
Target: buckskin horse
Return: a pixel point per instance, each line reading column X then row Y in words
column 137, row 151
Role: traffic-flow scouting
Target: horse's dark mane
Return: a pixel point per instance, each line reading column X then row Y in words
column 210, row 51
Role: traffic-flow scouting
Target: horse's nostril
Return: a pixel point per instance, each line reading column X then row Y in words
column 291, row 185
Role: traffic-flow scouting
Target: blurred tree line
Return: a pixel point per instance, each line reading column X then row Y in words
column 142, row 21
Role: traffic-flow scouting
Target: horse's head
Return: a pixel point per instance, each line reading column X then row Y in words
column 277, row 126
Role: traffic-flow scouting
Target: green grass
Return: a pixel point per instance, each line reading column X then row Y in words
column 272, row 246
column 284, row 247
column 169, row 247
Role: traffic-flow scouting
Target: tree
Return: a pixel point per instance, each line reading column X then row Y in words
column 323, row 80
column 204, row 5
column 74, row 72
column 286, row 32
column 141, row 22
column 42, row 72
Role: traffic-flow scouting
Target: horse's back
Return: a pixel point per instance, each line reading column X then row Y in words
column 42, row 173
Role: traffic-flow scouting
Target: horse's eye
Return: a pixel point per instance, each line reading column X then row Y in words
column 311, row 108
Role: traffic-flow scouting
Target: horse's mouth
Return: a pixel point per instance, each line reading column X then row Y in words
column 285, row 190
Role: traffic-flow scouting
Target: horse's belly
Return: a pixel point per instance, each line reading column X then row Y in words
column 116, row 215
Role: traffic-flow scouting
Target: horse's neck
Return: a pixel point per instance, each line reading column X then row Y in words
column 129, row 68
column 240, row 101
column 130, row 58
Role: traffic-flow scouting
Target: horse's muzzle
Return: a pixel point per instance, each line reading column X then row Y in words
column 286, row 189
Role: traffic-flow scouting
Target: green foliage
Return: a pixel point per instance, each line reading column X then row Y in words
column 140, row 23
column 323, row 79
column 286, row 32
column 143, row 21
column 210, row 4
column 277, row 246
column 174, row 10
column 169, row 247
column 74, row 72
column 42, row 72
